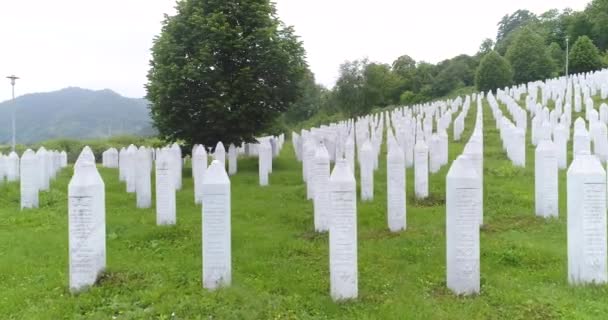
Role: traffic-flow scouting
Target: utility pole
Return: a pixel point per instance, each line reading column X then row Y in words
column 567, row 54
column 13, row 79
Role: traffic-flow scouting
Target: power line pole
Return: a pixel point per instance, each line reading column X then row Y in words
column 567, row 53
column 13, row 79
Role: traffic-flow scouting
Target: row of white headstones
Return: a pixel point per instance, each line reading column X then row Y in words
column 586, row 176
column 335, row 201
column 34, row 172
column 408, row 131
column 87, row 211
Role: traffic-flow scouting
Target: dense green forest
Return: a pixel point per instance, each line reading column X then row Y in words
column 527, row 47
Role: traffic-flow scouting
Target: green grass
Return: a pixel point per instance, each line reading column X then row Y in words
column 280, row 265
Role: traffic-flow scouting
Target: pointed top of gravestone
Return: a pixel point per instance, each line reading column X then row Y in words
column 462, row 168
column 321, row 152
column 85, row 174
column 175, row 146
column 367, row 146
column 420, row 144
column 13, row 155
column 586, row 163
column 199, row 150
column 342, row 172
column 232, row 147
column 86, row 154
column 131, row 149
column 220, row 147
column 216, row 174
column 28, row 154
column 41, row 150
column 545, row 145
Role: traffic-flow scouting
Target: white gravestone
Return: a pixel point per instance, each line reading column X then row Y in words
column 321, row 185
column 395, row 177
column 12, row 167
column 343, row 233
column 177, row 165
column 581, row 142
column 42, row 169
column 586, row 194
column 232, row 159
column 216, row 228
column 545, row 171
column 29, row 180
column 199, row 167
column 434, row 154
column 264, row 153
column 86, row 224
column 421, row 169
column 219, row 153
column 560, row 138
column 130, row 167
column 165, row 189
column 463, row 206
column 122, row 160
column 367, row 171
column 143, row 182
column 309, row 154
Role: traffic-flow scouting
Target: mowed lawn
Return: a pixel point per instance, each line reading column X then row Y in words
column 280, row 265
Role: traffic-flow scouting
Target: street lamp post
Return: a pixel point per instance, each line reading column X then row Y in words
column 13, row 79
column 567, row 54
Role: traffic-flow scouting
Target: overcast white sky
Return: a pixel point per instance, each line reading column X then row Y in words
column 100, row 44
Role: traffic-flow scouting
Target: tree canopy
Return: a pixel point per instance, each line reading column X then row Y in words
column 529, row 57
column 584, row 56
column 493, row 72
column 223, row 70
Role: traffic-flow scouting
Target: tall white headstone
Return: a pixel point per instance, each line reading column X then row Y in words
column 130, row 167
column 264, row 155
column 421, row 169
column 165, row 189
column 463, row 206
column 43, row 174
column 30, row 180
column 321, row 185
column 199, row 167
column 177, row 165
column 232, row 159
column 586, row 221
column 216, row 227
column 343, row 233
column 545, row 171
column 219, row 153
column 86, row 224
column 143, row 182
column 395, row 196
column 366, row 166
column 12, row 167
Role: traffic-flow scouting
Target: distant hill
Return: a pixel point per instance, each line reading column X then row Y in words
column 74, row 113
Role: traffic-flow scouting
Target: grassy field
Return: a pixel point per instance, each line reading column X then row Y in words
column 280, row 265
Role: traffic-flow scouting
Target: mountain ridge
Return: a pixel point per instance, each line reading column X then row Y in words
column 76, row 113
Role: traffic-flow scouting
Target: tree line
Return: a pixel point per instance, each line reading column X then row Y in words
column 527, row 47
column 231, row 70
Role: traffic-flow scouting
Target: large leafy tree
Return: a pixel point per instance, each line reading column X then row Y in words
column 584, row 56
column 510, row 23
column 349, row 90
column 310, row 101
column 493, row 72
column 529, row 57
column 223, row 70
column 597, row 12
